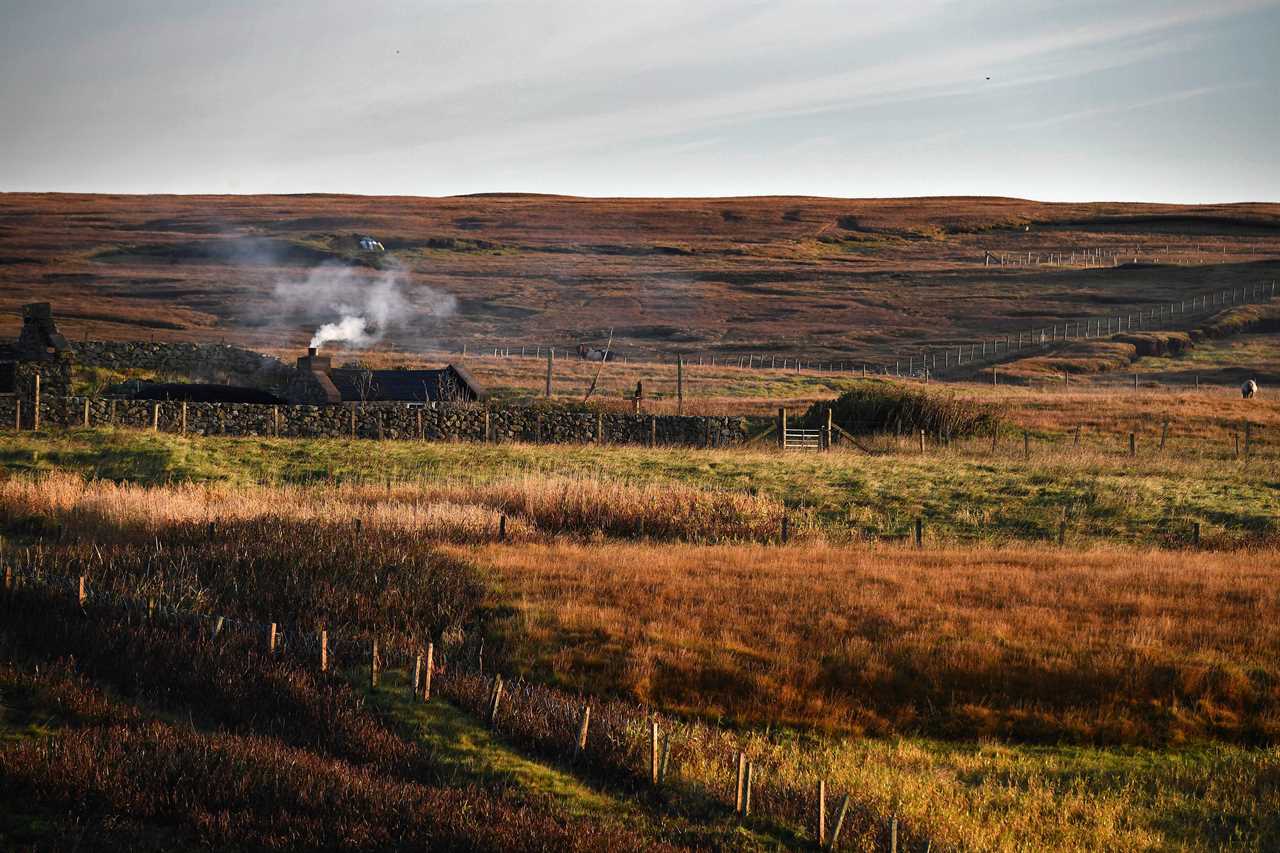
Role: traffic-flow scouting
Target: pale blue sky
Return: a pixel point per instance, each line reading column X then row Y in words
column 1158, row 101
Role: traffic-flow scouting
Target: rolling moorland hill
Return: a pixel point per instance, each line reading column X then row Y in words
column 823, row 278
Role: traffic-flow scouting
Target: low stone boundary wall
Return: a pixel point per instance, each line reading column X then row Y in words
column 206, row 361
column 430, row 421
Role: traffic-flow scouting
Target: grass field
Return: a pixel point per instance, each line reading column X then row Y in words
column 1078, row 698
column 964, row 493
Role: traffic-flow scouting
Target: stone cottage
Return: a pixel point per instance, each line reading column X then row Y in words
column 317, row 381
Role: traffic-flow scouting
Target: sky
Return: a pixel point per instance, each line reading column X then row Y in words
column 1144, row 100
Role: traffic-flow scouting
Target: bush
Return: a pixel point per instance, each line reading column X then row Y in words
column 875, row 406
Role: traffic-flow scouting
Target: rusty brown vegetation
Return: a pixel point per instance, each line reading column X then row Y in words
column 827, row 278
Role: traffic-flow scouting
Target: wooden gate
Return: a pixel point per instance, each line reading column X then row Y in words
column 802, row 439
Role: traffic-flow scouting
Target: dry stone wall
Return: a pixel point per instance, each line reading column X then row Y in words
column 431, row 421
column 210, row 362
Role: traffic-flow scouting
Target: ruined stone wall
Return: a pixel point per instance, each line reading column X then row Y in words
column 432, row 422
column 55, row 381
column 207, row 362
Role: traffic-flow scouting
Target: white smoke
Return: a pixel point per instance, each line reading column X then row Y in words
column 357, row 309
column 353, row 330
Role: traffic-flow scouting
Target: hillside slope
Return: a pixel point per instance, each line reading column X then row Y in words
column 827, row 278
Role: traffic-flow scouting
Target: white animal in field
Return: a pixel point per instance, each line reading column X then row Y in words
column 1249, row 389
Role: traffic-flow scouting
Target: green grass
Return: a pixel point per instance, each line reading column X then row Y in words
column 474, row 754
column 963, row 795
column 1257, row 352
column 964, row 494
column 470, row 753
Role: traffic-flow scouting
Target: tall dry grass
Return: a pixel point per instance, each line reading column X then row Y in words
column 1105, row 645
column 454, row 510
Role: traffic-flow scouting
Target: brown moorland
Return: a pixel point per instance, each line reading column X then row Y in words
column 826, row 278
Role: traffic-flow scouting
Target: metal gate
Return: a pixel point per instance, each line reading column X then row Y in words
column 802, row 439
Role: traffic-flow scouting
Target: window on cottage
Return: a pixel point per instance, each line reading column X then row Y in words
column 8, row 377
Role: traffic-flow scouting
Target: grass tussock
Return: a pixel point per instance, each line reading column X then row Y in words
column 892, row 407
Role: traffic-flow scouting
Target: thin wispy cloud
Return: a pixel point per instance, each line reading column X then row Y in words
column 1130, row 108
column 438, row 98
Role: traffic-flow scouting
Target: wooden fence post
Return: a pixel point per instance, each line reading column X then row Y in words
column 822, row 812
column 417, row 676
column 8, row 579
column 653, row 430
column 80, row 592
column 1062, row 533
column 324, row 650
column 1026, row 444
column 86, row 412
column 182, row 424
column 839, row 825
column 893, row 834
column 746, row 792
column 786, row 531
column 1164, row 433
column 680, row 384
column 271, row 638
column 583, row 723
column 155, row 417
column 1133, row 445
column 653, row 752
column 502, row 528
column 666, row 757
column 1195, row 534
column 373, row 664
column 426, row 672
column 35, row 408
column 782, row 428
column 1077, row 441
column 919, row 532
column 742, row 782
column 496, row 700
column 922, row 442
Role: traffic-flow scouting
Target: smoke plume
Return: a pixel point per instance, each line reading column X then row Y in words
column 356, row 309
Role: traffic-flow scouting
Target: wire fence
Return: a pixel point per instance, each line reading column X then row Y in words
column 936, row 357
column 635, row 744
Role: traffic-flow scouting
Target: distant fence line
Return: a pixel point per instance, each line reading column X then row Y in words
column 933, row 358
column 1095, row 257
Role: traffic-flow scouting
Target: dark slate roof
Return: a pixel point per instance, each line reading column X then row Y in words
column 196, row 392
column 398, row 385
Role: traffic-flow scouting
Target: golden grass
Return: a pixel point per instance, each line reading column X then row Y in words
column 452, row 510
column 1104, row 644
